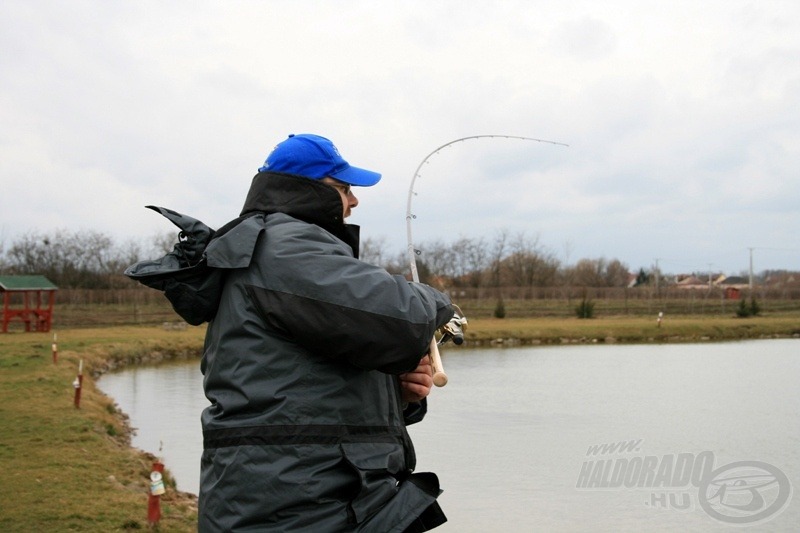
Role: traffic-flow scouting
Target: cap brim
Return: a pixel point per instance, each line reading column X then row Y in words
column 359, row 177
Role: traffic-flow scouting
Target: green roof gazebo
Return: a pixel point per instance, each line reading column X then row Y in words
column 26, row 294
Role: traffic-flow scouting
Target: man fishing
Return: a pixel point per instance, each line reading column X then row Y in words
column 314, row 363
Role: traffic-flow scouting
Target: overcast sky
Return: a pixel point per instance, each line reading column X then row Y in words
column 682, row 119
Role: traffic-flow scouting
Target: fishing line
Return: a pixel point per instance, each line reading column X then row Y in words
column 412, row 252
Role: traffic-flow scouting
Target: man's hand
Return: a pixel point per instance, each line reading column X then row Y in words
column 416, row 385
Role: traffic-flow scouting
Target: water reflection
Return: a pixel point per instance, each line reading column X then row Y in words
column 509, row 434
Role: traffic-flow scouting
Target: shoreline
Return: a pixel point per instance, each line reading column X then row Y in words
column 513, row 342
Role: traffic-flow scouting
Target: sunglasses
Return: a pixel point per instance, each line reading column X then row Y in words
column 345, row 188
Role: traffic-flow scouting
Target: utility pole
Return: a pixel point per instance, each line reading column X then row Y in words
column 751, row 270
column 657, row 273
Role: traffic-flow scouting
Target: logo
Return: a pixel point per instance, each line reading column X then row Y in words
column 740, row 493
column 745, row 492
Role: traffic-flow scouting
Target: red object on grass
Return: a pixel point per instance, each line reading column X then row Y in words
column 78, row 383
column 153, row 500
column 29, row 291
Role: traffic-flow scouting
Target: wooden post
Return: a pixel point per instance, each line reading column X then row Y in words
column 51, row 301
column 78, row 383
column 6, row 315
column 26, row 310
column 154, row 495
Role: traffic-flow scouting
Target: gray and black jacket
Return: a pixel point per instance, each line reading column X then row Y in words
column 306, row 430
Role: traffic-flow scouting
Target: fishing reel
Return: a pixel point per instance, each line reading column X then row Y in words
column 454, row 329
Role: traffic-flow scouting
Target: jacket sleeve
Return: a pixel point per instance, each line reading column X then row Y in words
column 414, row 412
column 315, row 292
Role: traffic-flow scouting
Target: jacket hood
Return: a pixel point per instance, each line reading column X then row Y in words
column 302, row 198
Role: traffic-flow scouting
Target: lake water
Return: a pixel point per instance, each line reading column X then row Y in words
column 709, row 433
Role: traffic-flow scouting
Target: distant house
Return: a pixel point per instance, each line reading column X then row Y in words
column 783, row 280
column 691, row 282
column 733, row 281
column 733, row 286
column 30, row 299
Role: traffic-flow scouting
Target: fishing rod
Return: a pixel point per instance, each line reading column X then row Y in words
column 453, row 329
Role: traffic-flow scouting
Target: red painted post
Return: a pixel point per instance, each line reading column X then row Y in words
column 154, row 496
column 78, row 383
column 26, row 317
column 6, row 310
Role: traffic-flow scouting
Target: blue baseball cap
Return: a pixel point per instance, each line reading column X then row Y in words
column 316, row 157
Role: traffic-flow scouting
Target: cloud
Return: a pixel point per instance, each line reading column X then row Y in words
column 586, row 38
column 681, row 118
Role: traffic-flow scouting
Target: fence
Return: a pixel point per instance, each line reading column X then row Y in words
column 109, row 307
column 89, row 308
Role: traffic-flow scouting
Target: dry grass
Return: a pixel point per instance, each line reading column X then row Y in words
column 550, row 330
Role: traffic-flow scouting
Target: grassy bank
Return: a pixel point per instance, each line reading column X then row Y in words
column 69, row 469
column 628, row 329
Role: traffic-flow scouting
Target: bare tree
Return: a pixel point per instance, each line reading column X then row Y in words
column 162, row 243
column 589, row 272
column 617, row 274
column 3, row 261
column 124, row 255
column 437, row 256
column 399, row 264
column 529, row 264
column 496, row 255
column 88, row 259
column 373, row 251
column 471, row 260
column 567, row 273
column 601, row 273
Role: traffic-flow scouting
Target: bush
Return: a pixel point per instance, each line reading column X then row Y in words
column 744, row 310
column 500, row 309
column 585, row 309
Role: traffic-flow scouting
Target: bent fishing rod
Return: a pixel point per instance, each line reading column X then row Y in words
column 453, row 329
